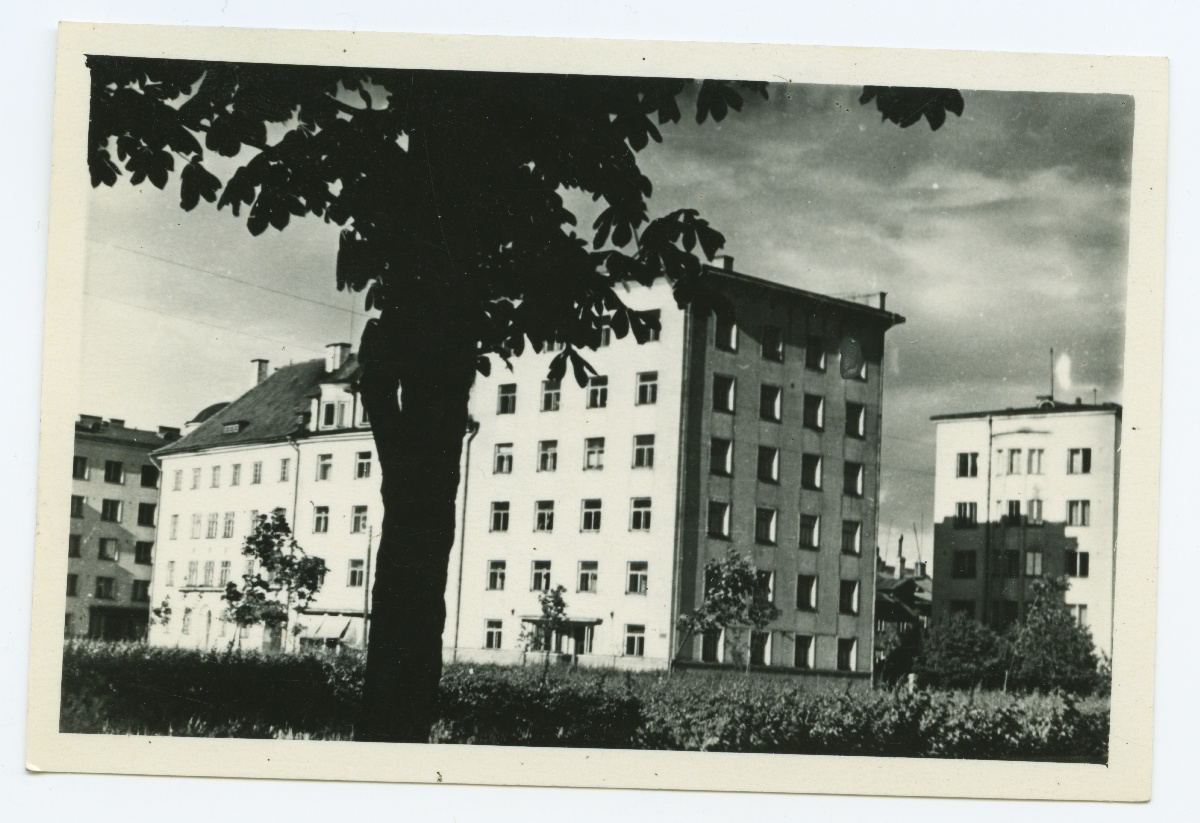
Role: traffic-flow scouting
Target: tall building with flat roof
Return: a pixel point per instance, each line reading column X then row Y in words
column 114, row 514
column 1022, row 493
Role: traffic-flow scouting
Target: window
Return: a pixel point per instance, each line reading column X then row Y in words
column 320, row 520
column 149, row 476
column 852, row 479
column 284, row 464
column 718, row 519
column 170, row 581
column 1079, row 513
column 500, row 516
column 1077, row 563
column 1033, row 564
column 810, row 531
column 1079, row 461
column 72, row 585
column 358, row 519
column 764, row 526
column 216, row 477
column 140, row 593
column 362, row 465
column 235, row 474
column 506, row 399
column 725, row 334
column 1014, row 512
column 814, row 354
column 329, row 415
column 226, row 567
column 647, row 388
column 853, row 364
column 185, row 626
column 256, row 473
column 802, row 657
column 760, row 648
column 720, row 460
column 146, row 512
column 806, row 593
column 772, row 343
column 75, row 545
column 1035, row 461
column 79, row 468
column 356, row 574
column 502, row 463
column 810, row 471
column 768, row 464
column 724, row 393
column 766, row 583
column 1008, row 563
column 196, row 525
column 597, row 395
column 110, row 510
column 544, row 516
column 76, row 505
column 639, row 514
column 710, row 647
column 106, row 588
column 324, row 466
column 1035, row 512
column 496, row 571
column 605, row 336
column 643, row 451
column 851, row 537
column 848, row 597
column 847, row 652
column 548, row 455
column 109, row 549
column 588, row 572
column 591, row 516
column 968, row 464
column 856, row 420
column 143, row 552
column 196, row 478
column 213, row 520
column 253, row 519
column 635, row 640
column 963, row 565
column 593, row 453
column 541, row 576
column 814, row 412
column 209, row 573
column 493, row 634
column 193, row 572
column 178, row 484
column 770, row 403
column 1079, row 612
column 966, row 515
column 1014, row 461
column 114, row 471
column 551, row 395
column 653, row 325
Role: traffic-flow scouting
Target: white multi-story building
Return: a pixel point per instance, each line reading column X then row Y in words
column 760, row 435
column 1025, row 493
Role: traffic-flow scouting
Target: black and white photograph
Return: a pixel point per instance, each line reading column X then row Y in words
column 548, row 407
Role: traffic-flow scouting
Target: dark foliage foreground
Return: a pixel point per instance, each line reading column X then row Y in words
column 135, row 689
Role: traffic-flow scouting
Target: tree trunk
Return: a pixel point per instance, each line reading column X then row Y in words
column 426, row 351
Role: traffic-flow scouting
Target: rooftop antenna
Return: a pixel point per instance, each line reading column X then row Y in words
column 1051, row 374
column 1095, row 401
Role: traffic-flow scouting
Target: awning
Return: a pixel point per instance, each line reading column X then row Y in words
column 330, row 628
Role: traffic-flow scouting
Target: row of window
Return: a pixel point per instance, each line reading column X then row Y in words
column 334, row 415
column 362, row 469
column 1004, row 612
column 645, row 393
column 591, row 512
column 1079, row 513
column 637, row 576
column 593, row 454
column 1028, row 461
column 210, row 575
column 720, row 463
column 226, row 527
column 109, row 548
column 1007, row 563
column 106, row 588
column 726, row 338
column 766, row 527
column 113, row 511
column 114, row 472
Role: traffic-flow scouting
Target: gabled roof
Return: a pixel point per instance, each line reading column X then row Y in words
column 271, row 411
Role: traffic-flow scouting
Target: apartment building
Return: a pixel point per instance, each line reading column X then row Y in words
column 760, row 434
column 114, row 515
column 298, row 441
column 1022, row 493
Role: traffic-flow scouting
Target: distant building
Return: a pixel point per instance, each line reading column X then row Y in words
column 1025, row 493
column 903, row 603
column 114, row 512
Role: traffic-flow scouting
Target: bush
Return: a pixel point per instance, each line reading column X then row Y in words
column 958, row 653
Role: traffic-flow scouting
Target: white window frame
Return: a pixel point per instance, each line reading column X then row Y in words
column 647, row 388
column 591, row 510
column 597, row 392
column 643, row 452
column 502, row 459
column 497, row 572
column 324, row 467
column 593, row 453
column 588, row 577
column 547, row 455
column 640, row 509
column 320, row 520
column 543, row 516
column 499, row 518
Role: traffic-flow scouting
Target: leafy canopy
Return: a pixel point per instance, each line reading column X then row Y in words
column 283, row 577
column 448, row 185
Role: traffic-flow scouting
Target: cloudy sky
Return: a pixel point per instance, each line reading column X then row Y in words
column 999, row 236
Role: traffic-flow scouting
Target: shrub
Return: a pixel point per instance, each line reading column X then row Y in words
column 1051, row 650
column 958, row 653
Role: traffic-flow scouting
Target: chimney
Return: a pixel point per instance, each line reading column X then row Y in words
column 903, row 562
column 168, row 433
column 883, row 301
column 1078, row 401
column 725, row 260
column 335, row 356
column 262, row 369
column 920, row 570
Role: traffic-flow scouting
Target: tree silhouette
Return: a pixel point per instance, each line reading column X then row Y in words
column 447, row 186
